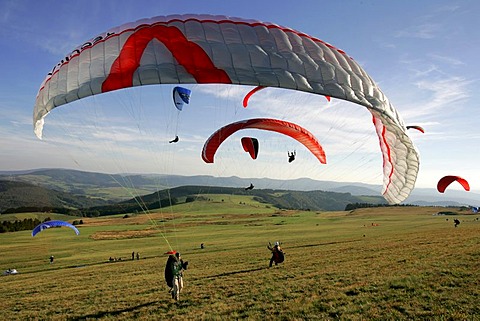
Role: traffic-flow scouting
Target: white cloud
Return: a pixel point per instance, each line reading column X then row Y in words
column 421, row 31
column 447, row 59
column 441, row 96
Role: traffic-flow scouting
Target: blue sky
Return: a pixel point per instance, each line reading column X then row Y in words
column 423, row 55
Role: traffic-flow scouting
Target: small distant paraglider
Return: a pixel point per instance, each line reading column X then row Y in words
column 250, row 145
column 181, row 96
column 45, row 225
column 445, row 181
column 249, row 187
column 419, row 128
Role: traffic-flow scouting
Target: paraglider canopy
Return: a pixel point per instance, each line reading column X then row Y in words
column 45, row 225
column 419, row 128
column 295, row 131
column 206, row 49
column 445, row 181
column 181, row 96
column 250, row 145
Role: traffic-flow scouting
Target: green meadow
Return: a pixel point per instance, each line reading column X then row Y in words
column 395, row 263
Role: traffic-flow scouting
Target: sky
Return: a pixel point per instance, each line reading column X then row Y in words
column 422, row 54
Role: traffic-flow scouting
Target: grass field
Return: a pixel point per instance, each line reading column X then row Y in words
column 398, row 263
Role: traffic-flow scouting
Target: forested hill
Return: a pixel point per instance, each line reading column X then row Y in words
column 14, row 195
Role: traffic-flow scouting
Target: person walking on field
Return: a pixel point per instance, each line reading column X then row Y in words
column 277, row 254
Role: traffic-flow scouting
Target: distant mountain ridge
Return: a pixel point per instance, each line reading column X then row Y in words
column 92, row 184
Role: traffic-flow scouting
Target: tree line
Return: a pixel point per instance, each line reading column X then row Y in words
column 353, row 206
column 20, row 225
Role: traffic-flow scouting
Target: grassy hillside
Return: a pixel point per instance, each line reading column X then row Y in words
column 397, row 263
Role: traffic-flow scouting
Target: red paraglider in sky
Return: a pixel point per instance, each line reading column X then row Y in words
column 254, row 90
column 295, row 131
column 445, row 181
column 250, row 145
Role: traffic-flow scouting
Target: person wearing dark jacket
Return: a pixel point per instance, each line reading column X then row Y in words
column 173, row 268
column 277, row 254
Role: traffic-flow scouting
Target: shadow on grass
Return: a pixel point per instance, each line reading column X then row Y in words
column 322, row 244
column 235, row 272
column 112, row 313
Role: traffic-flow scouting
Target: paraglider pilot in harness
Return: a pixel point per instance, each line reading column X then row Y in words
column 291, row 156
column 249, row 187
column 277, row 253
column 174, row 267
column 174, row 140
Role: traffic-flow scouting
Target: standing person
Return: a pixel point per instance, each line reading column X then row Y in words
column 277, row 254
column 133, row 255
column 173, row 270
column 51, row 259
column 138, row 256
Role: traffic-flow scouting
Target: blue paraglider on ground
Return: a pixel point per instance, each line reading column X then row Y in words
column 45, row 225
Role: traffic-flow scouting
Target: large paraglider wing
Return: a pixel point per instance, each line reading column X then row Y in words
column 183, row 49
column 181, row 96
column 445, row 181
column 45, row 225
column 250, row 145
column 280, row 126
